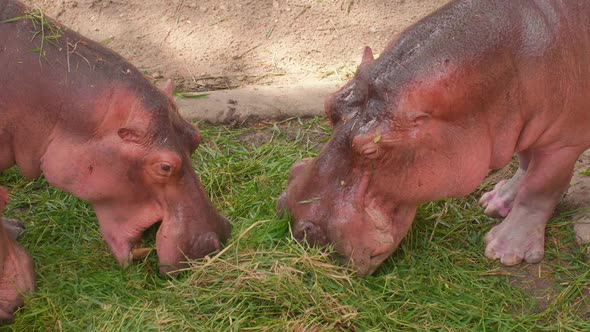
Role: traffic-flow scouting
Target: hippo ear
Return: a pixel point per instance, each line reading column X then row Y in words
column 406, row 127
column 367, row 56
column 366, row 60
column 130, row 135
column 417, row 119
column 168, row 87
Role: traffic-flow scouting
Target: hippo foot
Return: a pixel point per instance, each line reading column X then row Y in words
column 13, row 227
column 512, row 242
column 498, row 202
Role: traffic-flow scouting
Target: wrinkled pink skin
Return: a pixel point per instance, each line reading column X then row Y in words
column 455, row 95
column 95, row 127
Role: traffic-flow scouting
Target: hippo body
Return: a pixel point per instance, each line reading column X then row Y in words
column 94, row 126
column 453, row 96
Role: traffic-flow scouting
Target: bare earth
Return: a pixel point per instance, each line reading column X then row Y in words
column 293, row 50
column 302, row 49
column 216, row 43
column 279, row 57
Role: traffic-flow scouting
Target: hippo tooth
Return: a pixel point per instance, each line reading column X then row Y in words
column 140, row 253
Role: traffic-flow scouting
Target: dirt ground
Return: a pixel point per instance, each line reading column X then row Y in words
column 213, row 44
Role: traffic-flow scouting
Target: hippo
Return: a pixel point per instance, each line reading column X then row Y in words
column 453, row 96
column 94, row 126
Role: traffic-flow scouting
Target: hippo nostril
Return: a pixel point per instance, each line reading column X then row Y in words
column 216, row 244
column 304, row 230
column 205, row 244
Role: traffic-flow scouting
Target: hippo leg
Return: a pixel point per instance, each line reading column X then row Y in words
column 13, row 227
column 521, row 235
column 498, row 202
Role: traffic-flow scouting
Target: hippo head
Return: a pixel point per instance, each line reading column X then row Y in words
column 361, row 192
column 130, row 158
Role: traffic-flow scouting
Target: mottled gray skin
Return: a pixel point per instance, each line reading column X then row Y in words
column 95, row 127
column 456, row 94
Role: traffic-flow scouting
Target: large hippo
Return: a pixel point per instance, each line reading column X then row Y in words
column 456, row 94
column 90, row 122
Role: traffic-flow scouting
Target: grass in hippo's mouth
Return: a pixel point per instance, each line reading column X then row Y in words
column 263, row 280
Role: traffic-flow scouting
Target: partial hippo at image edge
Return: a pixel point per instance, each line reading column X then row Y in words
column 95, row 127
column 451, row 97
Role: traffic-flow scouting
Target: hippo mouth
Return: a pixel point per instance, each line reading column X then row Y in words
column 364, row 239
column 146, row 244
column 177, row 241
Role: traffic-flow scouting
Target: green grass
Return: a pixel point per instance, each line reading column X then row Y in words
column 438, row 280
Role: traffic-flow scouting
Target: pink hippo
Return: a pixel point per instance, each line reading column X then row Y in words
column 453, row 96
column 95, row 127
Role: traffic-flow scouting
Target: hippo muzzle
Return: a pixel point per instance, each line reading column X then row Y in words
column 363, row 230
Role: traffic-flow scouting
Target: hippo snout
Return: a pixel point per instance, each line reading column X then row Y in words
column 200, row 246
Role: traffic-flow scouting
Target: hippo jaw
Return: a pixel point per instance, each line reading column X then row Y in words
column 178, row 239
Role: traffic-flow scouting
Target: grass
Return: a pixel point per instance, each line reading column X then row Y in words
column 438, row 280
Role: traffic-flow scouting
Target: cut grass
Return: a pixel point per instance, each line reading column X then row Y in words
column 264, row 281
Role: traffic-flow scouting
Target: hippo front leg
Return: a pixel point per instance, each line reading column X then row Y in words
column 521, row 235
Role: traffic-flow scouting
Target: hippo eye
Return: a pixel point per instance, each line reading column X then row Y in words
column 165, row 167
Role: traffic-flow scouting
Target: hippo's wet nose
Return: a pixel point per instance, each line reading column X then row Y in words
column 305, row 230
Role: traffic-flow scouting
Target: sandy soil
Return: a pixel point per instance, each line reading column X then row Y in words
column 219, row 44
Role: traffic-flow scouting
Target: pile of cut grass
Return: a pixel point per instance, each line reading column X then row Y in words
column 264, row 281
